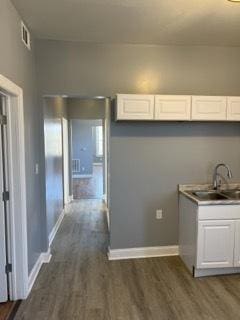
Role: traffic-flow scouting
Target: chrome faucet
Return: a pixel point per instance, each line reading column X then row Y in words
column 216, row 181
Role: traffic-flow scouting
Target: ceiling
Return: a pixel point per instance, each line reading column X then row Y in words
column 170, row 22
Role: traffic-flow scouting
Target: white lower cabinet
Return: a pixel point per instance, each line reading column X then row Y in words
column 209, row 237
column 215, row 244
column 237, row 245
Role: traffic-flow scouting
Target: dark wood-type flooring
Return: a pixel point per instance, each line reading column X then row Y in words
column 5, row 309
column 8, row 309
column 81, row 284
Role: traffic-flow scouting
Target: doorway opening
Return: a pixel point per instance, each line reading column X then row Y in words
column 87, row 158
column 76, row 153
column 13, row 222
column 5, row 254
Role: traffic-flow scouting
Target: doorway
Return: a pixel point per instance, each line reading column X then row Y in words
column 13, row 213
column 8, row 307
column 5, row 253
column 87, row 145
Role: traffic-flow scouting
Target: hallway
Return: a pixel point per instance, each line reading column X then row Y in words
column 81, row 284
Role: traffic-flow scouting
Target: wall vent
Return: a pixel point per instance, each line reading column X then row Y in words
column 26, row 39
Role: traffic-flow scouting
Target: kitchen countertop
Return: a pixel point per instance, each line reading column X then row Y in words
column 185, row 189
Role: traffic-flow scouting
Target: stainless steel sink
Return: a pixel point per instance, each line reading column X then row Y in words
column 232, row 194
column 210, row 195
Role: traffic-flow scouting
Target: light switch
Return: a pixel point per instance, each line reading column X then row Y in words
column 36, row 168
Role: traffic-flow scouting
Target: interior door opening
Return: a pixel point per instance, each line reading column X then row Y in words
column 5, row 254
column 87, row 158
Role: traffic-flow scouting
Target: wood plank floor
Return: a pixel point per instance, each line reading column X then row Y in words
column 80, row 283
column 5, row 309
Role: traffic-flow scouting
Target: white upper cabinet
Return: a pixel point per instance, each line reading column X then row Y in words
column 233, row 108
column 216, row 244
column 209, row 108
column 177, row 108
column 135, row 107
column 172, row 107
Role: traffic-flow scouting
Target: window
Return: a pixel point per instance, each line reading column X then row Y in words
column 99, row 141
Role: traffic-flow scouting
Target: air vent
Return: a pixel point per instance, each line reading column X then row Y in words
column 25, row 36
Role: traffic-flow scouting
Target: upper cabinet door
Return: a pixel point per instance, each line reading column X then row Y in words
column 233, row 108
column 209, row 108
column 215, row 243
column 169, row 107
column 135, row 107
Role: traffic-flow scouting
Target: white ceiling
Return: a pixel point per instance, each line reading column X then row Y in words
column 182, row 22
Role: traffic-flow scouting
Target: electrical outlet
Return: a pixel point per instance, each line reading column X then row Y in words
column 159, row 214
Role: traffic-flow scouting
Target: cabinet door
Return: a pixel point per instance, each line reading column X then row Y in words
column 215, row 244
column 233, row 108
column 209, row 108
column 172, row 107
column 237, row 245
column 135, row 107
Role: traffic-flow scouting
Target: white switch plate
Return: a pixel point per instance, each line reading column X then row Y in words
column 36, row 168
column 159, row 214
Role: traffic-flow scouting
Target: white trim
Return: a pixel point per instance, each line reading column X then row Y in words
column 17, row 188
column 146, row 252
column 70, row 198
column 82, row 176
column 108, row 218
column 214, row 272
column 44, row 257
column 65, row 145
column 98, row 164
column 55, row 228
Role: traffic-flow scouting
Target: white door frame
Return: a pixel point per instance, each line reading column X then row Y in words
column 107, row 121
column 65, row 143
column 17, row 188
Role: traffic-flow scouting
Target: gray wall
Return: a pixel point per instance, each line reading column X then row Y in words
column 18, row 64
column 90, row 69
column 167, row 154
column 54, row 111
column 85, row 108
column 148, row 160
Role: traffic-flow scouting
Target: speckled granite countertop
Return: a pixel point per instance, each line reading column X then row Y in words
column 187, row 190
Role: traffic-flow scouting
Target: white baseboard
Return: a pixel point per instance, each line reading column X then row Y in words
column 98, row 164
column 44, row 257
column 82, row 176
column 146, row 252
column 55, row 228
